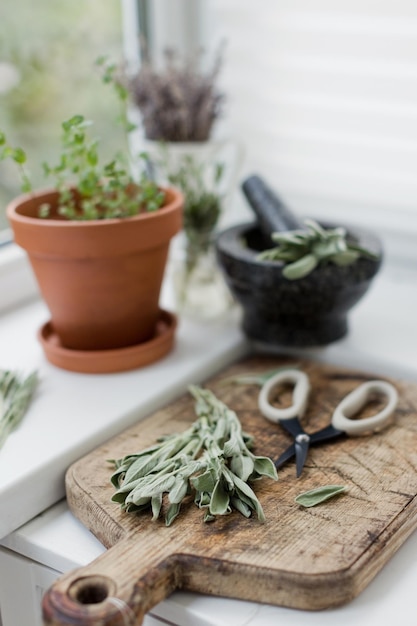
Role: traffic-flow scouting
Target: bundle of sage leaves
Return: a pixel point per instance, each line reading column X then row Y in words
column 211, row 459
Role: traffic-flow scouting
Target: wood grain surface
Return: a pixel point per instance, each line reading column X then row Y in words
column 310, row 559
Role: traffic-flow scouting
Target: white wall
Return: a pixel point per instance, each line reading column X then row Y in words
column 324, row 95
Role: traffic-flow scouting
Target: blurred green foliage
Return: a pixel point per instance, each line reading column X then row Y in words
column 53, row 46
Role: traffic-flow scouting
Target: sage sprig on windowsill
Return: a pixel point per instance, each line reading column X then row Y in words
column 211, row 459
column 15, row 395
column 253, row 378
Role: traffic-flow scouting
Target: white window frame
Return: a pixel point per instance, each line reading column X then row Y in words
column 17, row 282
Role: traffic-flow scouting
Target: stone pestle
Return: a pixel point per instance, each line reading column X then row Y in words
column 271, row 213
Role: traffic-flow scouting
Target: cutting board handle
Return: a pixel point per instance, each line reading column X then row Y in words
column 117, row 589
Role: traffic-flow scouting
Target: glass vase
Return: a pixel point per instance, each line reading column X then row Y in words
column 200, row 290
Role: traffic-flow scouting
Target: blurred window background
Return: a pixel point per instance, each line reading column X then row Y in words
column 323, row 94
column 47, row 74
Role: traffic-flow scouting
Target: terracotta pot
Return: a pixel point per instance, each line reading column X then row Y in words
column 100, row 279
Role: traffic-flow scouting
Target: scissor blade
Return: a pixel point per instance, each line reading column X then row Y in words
column 285, row 456
column 292, row 426
column 297, row 449
column 300, row 448
column 301, row 452
column 325, row 434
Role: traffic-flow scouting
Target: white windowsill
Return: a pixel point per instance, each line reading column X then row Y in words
column 381, row 339
column 72, row 413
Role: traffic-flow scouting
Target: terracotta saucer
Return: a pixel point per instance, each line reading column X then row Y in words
column 108, row 361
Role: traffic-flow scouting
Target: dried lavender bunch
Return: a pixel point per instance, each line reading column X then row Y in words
column 180, row 102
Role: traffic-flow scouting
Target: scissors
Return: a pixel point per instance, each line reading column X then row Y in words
column 341, row 422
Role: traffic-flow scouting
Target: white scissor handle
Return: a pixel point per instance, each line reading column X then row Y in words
column 356, row 400
column 300, row 395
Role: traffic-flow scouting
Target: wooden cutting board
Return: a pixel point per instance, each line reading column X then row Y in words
column 306, row 558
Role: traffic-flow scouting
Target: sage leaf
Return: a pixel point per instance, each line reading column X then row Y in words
column 159, row 484
column 294, row 237
column 156, row 504
column 345, row 258
column 325, row 249
column 220, row 499
column 318, row 230
column 243, row 488
column 300, row 268
column 241, row 506
column 229, row 479
column 179, row 490
column 140, row 468
column 172, row 513
column 242, row 466
column 363, row 251
column 264, row 466
column 202, row 499
column 204, row 482
column 252, row 378
column 118, row 476
column 120, row 497
column 136, row 498
column 319, row 495
column 220, row 430
column 135, row 508
column 232, row 446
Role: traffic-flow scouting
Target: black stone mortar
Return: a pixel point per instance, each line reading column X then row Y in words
column 310, row 311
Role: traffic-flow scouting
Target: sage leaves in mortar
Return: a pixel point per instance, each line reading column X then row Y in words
column 210, row 460
column 319, row 495
column 303, row 250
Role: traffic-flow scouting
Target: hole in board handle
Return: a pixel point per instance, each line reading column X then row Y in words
column 91, row 589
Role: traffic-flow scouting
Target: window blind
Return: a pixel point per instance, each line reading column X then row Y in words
column 324, row 96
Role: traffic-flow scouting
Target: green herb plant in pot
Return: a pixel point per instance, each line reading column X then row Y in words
column 98, row 242
column 297, row 293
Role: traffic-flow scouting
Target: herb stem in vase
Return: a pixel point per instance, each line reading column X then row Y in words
column 199, row 286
